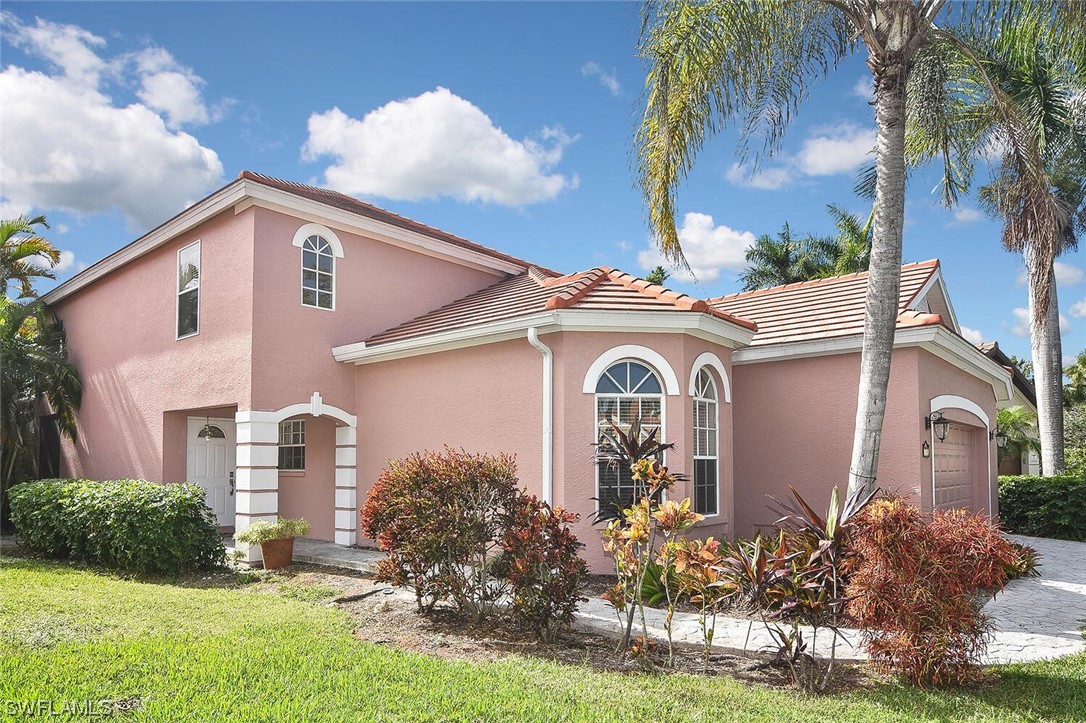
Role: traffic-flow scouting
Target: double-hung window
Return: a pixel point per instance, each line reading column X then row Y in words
column 188, row 291
column 705, row 444
column 292, row 445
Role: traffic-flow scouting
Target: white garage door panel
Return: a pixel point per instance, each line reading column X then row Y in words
column 954, row 468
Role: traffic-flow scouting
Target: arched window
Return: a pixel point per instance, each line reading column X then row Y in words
column 626, row 391
column 705, row 444
column 318, row 273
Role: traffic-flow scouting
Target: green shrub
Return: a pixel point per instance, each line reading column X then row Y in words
column 129, row 525
column 1044, row 506
column 260, row 532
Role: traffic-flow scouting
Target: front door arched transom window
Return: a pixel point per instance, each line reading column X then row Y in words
column 626, row 391
column 318, row 273
column 706, row 443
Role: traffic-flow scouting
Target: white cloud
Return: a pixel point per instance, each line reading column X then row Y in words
column 436, row 144
column 841, row 149
column 964, row 215
column 624, row 246
column 864, row 88
column 171, row 88
column 69, row 48
column 607, row 78
column 827, row 152
column 65, row 144
column 1065, row 274
column 1020, row 327
column 972, row 335
column 770, row 179
column 708, row 248
column 1078, row 310
column 67, row 261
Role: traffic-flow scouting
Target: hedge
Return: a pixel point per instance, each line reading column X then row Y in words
column 1044, row 506
column 128, row 525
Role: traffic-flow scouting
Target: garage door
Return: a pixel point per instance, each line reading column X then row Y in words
column 954, row 468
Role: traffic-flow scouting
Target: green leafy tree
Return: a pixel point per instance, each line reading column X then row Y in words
column 781, row 260
column 1015, row 97
column 24, row 255
column 1023, row 365
column 1074, row 392
column 657, row 276
column 739, row 62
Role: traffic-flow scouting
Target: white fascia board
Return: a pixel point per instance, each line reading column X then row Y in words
column 179, row 224
column 678, row 322
column 284, row 202
column 937, row 340
column 936, row 281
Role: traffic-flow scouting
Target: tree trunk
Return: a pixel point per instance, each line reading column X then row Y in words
column 884, row 274
column 1047, row 350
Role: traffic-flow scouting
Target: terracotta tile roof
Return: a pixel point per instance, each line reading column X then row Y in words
column 537, row 291
column 824, row 308
column 353, row 205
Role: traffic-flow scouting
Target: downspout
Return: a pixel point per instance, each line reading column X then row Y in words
column 548, row 414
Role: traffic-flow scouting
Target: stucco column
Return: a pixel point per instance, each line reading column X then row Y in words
column 257, row 476
column 346, row 486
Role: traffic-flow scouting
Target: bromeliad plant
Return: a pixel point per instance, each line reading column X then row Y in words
column 633, row 530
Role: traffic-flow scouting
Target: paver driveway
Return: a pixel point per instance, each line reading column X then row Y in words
column 1042, row 617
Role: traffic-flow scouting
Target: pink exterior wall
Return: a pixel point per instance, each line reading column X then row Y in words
column 937, row 378
column 575, row 417
column 482, row 399
column 796, row 425
column 377, row 286
column 122, row 335
column 310, row 494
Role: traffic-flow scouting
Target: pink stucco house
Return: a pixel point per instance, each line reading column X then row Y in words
column 277, row 343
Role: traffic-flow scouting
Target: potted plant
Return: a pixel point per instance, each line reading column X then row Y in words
column 276, row 540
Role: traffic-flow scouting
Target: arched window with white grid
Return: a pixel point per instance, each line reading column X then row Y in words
column 318, row 273
column 626, row 391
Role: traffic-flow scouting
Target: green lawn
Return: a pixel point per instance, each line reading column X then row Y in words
column 243, row 655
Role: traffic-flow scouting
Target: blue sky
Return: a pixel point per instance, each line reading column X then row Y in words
column 506, row 123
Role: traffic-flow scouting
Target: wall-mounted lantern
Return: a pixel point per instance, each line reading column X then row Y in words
column 925, row 449
column 1000, row 437
column 939, row 423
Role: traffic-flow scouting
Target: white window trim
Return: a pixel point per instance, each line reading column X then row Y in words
column 632, row 352
column 305, row 438
column 662, row 396
column 716, row 430
column 300, row 236
column 301, row 277
column 177, row 291
column 710, row 359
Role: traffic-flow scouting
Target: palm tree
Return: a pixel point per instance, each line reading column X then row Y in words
column 717, row 62
column 24, row 255
column 1020, row 427
column 36, row 370
column 782, row 260
column 1018, row 92
column 851, row 250
column 1074, row 392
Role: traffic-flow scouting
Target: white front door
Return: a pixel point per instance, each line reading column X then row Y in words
column 211, row 464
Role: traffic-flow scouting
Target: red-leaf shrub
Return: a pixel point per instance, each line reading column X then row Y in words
column 914, row 588
column 441, row 517
column 542, row 566
column 455, row 526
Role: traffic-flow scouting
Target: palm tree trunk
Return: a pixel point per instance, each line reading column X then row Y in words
column 884, row 275
column 1047, row 349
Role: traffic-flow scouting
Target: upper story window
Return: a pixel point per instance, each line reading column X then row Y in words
column 705, row 444
column 626, row 391
column 292, row 444
column 188, row 290
column 318, row 273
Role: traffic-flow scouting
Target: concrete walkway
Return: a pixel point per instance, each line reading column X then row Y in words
column 1035, row 618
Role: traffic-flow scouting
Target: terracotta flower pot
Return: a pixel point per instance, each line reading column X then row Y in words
column 277, row 553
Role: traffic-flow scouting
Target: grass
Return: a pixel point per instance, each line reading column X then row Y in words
column 189, row 653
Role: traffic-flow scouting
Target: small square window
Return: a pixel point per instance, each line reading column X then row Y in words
column 292, row 445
